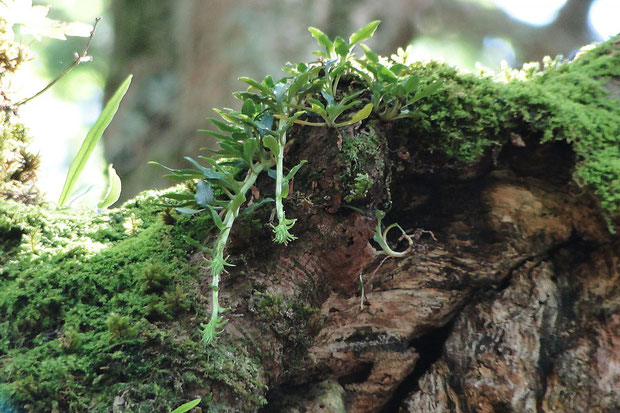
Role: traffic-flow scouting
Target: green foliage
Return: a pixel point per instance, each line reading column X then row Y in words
column 114, row 189
column 253, row 139
column 187, row 406
column 362, row 183
column 393, row 85
column 107, row 310
column 88, row 146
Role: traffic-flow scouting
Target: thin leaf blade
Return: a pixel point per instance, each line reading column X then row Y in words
column 92, row 137
column 187, row 406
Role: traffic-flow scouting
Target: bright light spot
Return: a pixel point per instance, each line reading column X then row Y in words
column 495, row 50
column 604, row 18
column 450, row 51
column 58, row 128
column 534, row 12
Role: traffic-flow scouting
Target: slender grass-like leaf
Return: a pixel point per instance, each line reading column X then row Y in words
column 114, row 188
column 187, row 406
column 93, row 136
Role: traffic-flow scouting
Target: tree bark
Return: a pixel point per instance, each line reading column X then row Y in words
column 508, row 300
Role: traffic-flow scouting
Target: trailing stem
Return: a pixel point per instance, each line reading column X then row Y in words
column 282, row 234
column 218, row 262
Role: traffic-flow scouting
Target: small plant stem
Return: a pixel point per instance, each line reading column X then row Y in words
column 78, row 59
column 279, row 172
column 218, row 259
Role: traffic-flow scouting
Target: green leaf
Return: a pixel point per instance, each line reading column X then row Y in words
column 341, row 47
column 224, row 127
column 293, row 171
column 364, row 33
column 259, row 86
column 204, row 194
column 189, row 211
column 411, row 84
column 297, row 83
column 271, row 143
column 92, row 137
column 322, row 39
column 398, row 68
column 255, row 205
column 359, row 116
column 370, row 55
column 268, row 81
column 206, row 172
column 248, row 107
column 187, row 406
column 217, row 135
column 385, row 74
column 216, row 218
column 114, row 188
column 249, row 149
column 285, row 189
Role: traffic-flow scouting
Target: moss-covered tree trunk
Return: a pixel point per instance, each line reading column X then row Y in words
column 507, row 301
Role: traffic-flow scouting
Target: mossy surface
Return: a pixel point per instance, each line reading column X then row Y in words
column 362, row 164
column 562, row 102
column 94, row 306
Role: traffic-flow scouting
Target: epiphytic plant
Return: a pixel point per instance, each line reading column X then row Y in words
column 252, row 140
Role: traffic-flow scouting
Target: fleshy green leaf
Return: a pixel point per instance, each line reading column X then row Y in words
column 255, row 205
column 189, row 211
column 266, row 91
column 359, row 116
column 293, row 171
column 364, row 33
column 224, row 127
column 341, row 47
column 272, row 144
column 92, row 137
column 204, row 194
column 114, row 188
column 411, row 84
column 385, row 74
column 206, row 172
column 322, row 39
column 249, row 149
column 216, row 218
column 370, row 55
column 248, row 107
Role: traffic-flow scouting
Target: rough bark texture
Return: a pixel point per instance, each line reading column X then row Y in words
column 508, row 301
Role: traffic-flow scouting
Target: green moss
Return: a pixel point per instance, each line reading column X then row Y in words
column 362, row 160
column 95, row 305
column 564, row 102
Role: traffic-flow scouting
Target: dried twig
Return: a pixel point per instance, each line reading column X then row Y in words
column 79, row 58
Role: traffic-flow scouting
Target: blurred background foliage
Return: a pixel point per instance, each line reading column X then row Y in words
column 186, row 56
